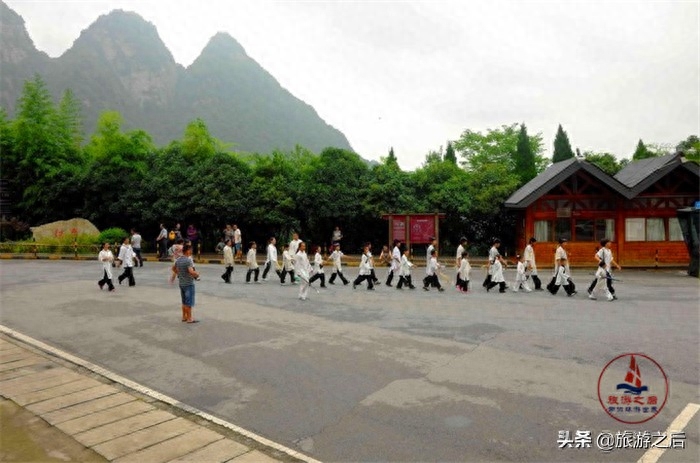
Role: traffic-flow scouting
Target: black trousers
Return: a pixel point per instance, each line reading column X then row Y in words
column 462, row 284
column 227, row 274
column 405, row 280
column 338, row 274
column 319, row 276
column 128, row 273
column 389, row 277
column 487, row 281
column 268, row 266
column 137, row 252
column 283, row 275
column 106, row 281
column 361, row 278
column 251, row 271
column 537, row 281
column 431, row 280
column 608, row 281
column 501, row 286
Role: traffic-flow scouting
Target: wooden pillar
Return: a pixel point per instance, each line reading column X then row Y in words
column 620, row 231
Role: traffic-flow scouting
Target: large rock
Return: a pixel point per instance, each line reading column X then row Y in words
column 72, row 227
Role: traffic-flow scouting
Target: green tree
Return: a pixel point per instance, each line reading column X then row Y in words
column 641, row 152
column 690, row 148
column 45, row 160
column 391, row 158
column 450, row 154
column 198, row 143
column 497, row 146
column 118, row 167
column 525, row 166
column 562, row 146
column 605, row 161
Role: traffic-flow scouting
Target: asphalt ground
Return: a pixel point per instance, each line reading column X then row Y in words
column 384, row 375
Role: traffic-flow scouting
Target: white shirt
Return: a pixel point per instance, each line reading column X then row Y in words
column 251, row 260
column 464, row 269
column 365, row 268
column 460, row 250
column 126, row 255
column 287, row 260
column 432, row 266
column 405, row 266
column 228, row 255
column 237, row 236
column 318, row 263
column 294, row 247
column 427, row 253
column 106, row 258
column 606, row 256
column 335, row 257
column 136, row 241
column 301, row 264
column 395, row 258
column 271, row 253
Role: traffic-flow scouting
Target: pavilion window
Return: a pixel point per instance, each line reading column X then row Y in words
column 674, row 230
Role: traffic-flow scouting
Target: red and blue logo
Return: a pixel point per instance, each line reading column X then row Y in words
column 640, row 396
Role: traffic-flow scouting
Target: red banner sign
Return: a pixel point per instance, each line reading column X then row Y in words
column 422, row 229
column 398, row 228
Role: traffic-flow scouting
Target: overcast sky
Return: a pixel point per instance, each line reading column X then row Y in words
column 413, row 75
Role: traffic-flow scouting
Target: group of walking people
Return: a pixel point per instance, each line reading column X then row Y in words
column 527, row 270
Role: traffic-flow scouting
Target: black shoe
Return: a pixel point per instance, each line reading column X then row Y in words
column 223, row 277
column 345, row 283
column 354, row 286
column 425, row 288
column 389, row 285
column 324, row 286
column 572, row 294
column 411, row 287
column 331, row 283
column 442, row 289
column 370, row 289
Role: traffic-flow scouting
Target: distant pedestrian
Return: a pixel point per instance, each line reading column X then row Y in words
column 395, row 262
column 252, row 263
column 521, row 276
column 365, row 270
column 193, row 236
column 186, row 274
column 162, row 242
column 237, row 243
column 105, row 257
column 271, row 258
column 458, row 256
column 463, row 273
column 337, row 236
column 603, row 280
column 531, row 265
column 228, row 262
column 335, row 257
column 303, row 269
column 317, row 272
column 287, row 265
column 405, row 271
column 136, row 246
column 496, row 265
column 126, row 257
column 431, row 278
column 562, row 276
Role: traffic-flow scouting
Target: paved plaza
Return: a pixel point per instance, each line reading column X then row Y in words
column 384, row 375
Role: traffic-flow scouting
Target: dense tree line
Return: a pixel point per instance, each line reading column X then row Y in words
column 120, row 178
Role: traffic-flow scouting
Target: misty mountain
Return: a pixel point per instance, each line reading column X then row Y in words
column 120, row 63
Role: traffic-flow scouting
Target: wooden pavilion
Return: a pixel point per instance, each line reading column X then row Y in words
column 637, row 209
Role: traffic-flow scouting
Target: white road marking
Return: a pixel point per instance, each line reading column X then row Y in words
column 677, row 425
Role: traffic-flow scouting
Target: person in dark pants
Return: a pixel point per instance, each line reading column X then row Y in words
column 530, row 264
column 126, row 256
column 106, row 258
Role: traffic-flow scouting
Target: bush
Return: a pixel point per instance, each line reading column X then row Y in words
column 112, row 235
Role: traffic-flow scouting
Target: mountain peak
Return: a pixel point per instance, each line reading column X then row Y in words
column 223, row 44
